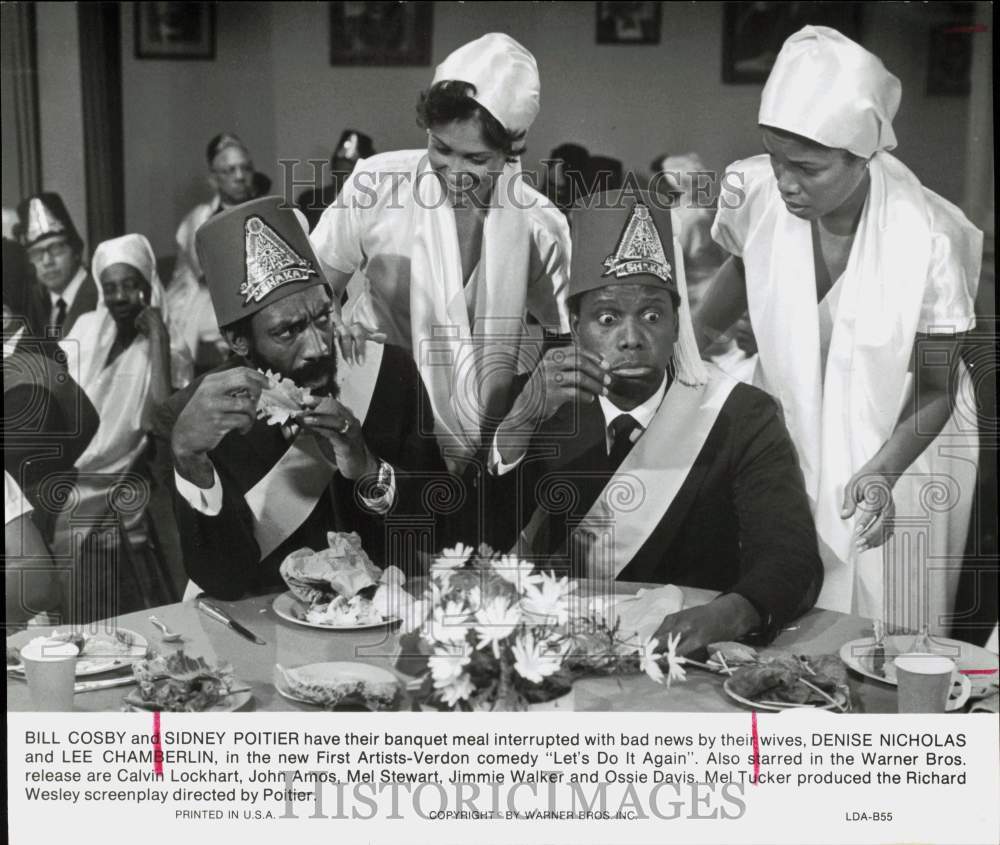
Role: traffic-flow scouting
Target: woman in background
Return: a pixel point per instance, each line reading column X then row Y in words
column 860, row 283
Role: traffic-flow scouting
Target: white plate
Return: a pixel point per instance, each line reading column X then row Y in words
column 331, row 675
column 290, row 608
column 87, row 665
column 778, row 707
column 857, row 654
column 234, row 701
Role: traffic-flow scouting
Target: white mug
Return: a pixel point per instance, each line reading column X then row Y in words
column 924, row 684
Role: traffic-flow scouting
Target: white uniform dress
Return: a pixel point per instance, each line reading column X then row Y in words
column 842, row 374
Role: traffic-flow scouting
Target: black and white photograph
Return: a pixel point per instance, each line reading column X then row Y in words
column 443, row 422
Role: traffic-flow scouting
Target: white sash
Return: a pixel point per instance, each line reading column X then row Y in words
column 839, row 419
column 287, row 494
column 464, row 384
column 639, row 494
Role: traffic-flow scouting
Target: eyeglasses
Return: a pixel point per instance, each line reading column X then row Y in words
column 37, row 254
column 233, row 170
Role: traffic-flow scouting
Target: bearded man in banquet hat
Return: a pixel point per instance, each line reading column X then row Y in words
column 625, row 457
column 251, row 490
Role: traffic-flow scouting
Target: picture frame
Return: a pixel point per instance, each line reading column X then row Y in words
column 174, row 30
column 629, row 23
column 381, row 33
column 752, row 33
column 949, row 54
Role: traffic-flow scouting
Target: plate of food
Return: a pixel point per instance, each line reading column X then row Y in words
column 865, row 658
column 177, row 683
column 100, row 651
column 340, row 589
column 782, row 681
column 339, row 684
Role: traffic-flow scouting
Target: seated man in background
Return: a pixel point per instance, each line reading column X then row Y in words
column 679, row 474
column 55, row 249
column 233, row 179
column 351, row 148
column 250, row 491
column 47, row 420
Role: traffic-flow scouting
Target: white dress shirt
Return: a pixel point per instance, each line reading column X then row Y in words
column 68, row 294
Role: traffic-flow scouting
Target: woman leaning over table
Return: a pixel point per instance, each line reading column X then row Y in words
column 452, row 249
column 859, row 283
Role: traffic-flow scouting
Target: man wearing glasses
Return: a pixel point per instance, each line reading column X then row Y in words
column 55, row 250
column 234, row 181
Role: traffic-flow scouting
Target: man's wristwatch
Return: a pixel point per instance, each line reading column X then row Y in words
column 376, row 486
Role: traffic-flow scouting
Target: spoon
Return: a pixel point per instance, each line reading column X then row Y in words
column 168, row 635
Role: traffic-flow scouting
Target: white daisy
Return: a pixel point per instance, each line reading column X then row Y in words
column 447, row 663
column 535, row 661
column 458, row 689
column 497, row 620
column 548, row 598
column 647, row 660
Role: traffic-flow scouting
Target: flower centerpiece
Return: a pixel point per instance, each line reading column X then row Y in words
column 499, row 635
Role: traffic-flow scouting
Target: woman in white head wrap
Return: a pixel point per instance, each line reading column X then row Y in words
column 451, row 249
column 858, row 280
column 122, row 355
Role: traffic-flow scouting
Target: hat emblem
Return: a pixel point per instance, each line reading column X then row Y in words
column 270, row 262
column 640, row 250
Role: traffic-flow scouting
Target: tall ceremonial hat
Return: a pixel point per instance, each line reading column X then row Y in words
column 43, row 216
column 253, row 255
column 626, row 237
column 504, row 74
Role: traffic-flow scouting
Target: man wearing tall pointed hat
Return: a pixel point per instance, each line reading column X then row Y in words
column 250, row 492
column 626, row 457
column 55, row 249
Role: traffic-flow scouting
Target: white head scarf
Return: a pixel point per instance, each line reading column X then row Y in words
column 135, row 251
column 505, row 75
column 827, row 88
column 89, row 342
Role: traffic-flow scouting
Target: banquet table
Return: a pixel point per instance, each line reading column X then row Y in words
column 289, row 644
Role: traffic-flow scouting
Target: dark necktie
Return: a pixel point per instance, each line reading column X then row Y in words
column 622, row 428
column 58, row 316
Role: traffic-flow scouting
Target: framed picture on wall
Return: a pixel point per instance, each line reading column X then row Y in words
column 752, row 33
column 174, row 30
column 949, row 58
column 628, row 23
column 381, row 33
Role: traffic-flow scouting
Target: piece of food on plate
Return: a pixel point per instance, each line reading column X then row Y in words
column 178, row 683
column 734, row 654
column 345, row 613
column 343, row 570
column 759, row 681
column 282, row 400
column 830, row 671
column 326, row 693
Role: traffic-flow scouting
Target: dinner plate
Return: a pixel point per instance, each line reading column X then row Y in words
column 839, row 701
column 88, row 665
column 331, row 675
column 976, row 661
column 290, row 608
column 233, row 701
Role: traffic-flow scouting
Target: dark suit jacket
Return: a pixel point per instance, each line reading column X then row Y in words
column 40, row 306
column 48, row 422
column 739, row 523
column 221, row 553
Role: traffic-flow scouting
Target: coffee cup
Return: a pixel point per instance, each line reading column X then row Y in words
column 50, row 667
column 927, row 683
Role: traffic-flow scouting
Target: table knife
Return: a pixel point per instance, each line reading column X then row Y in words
column 218, row 615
